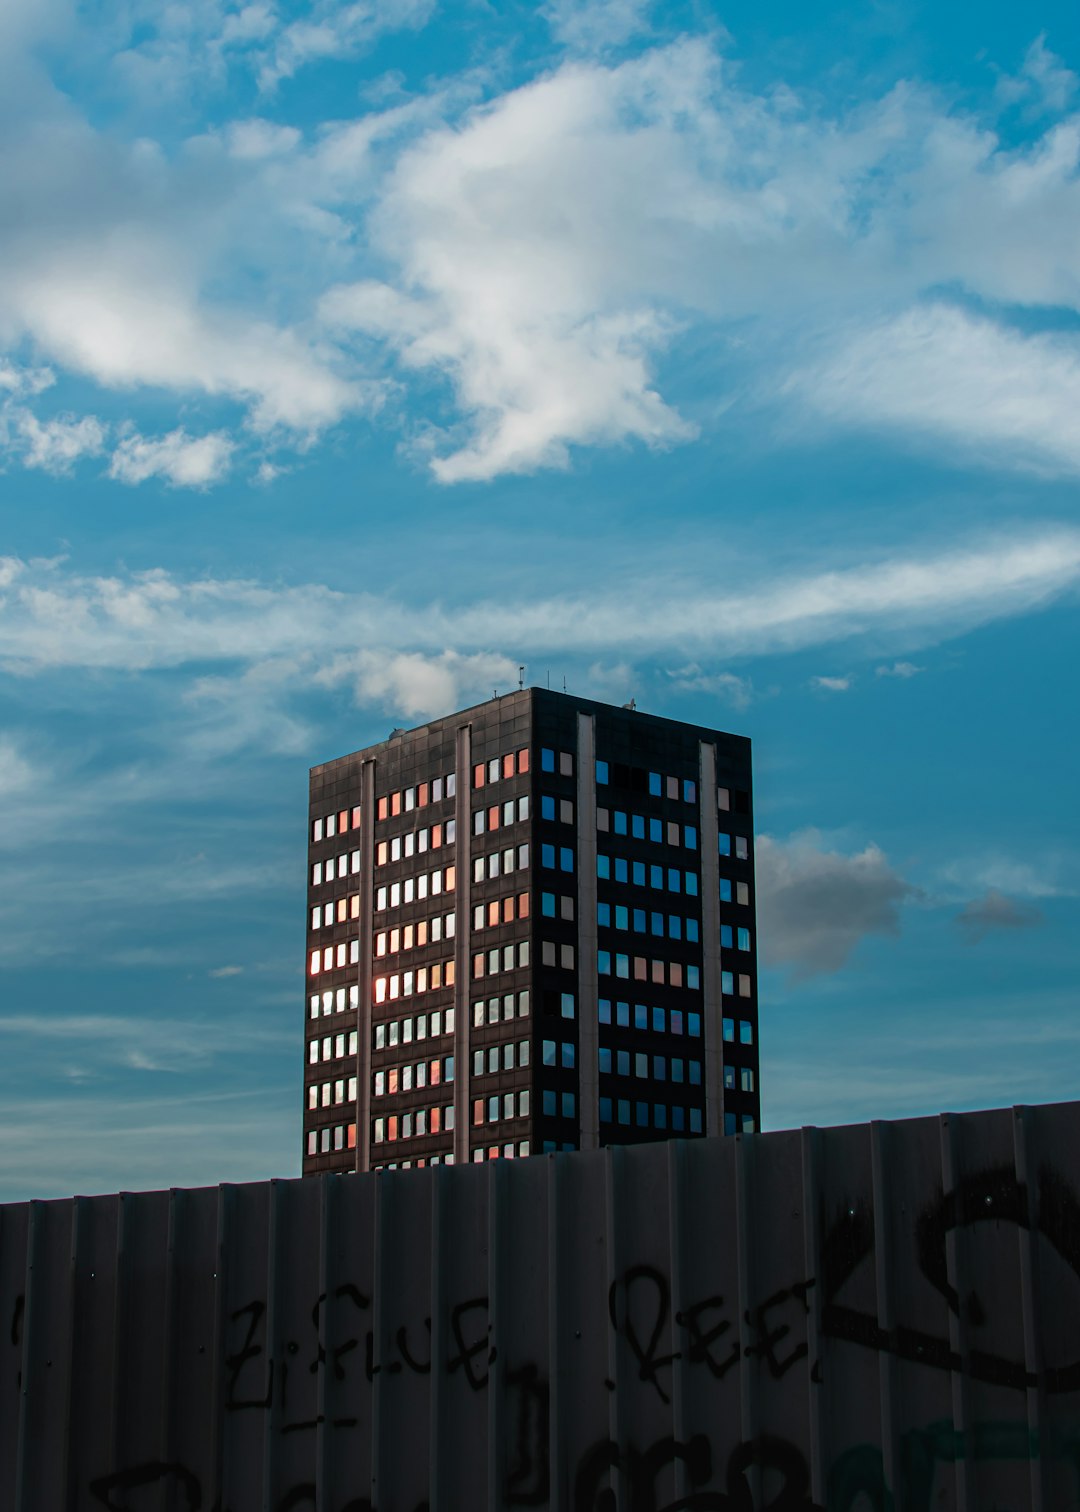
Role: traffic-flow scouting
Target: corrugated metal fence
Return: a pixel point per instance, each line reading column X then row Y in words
column 883, row 1316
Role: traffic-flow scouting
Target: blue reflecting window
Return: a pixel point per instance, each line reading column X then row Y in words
column 548, row 1052
column 657, row 924
column 622, row 1062
column 550, row 1102
column 729, row 1123
column 693, row 978
column 619, row 819
column 746, row 1032
column 624, row 1110
column 725, row 889
column 689, row 790
column 656, row 830
column 659, row 1067
column 676, row 1068
column 641, row 1065
column 674, row 880
column 603, row 866
column 637, row 826
column 605, row 1102
column 659, row 1020
column 675, row 1017
column 568, row 1054
column 724, row 843
column 602, row 776
column 547, row 856
column 656, row 876
column 727, row 982
column 641, row 1115
column 693, row 1025
column 725, row 936
column 622, row 1015
column 448, row 1068
column 603, row 915
column 690, row 837
column 547, row 905
column 692, row 929
column 656, row 784
column 674, row 926
column 729, row 1031
column 622, row 965
column 567, row 1005
column 639, row 921
column 660, row 1115
column 547, row 760
column 604, row 1060
column 641, row 1016
column 603, row 1010
column 638, row 871
column 547, row 806
column 744, row 939
column 694, row 1068
column 620, row 868
column 566, row 858
column 691, row 884
column 695, row 1120
column 678, row 1120
column 622, row 916
column 603, row 962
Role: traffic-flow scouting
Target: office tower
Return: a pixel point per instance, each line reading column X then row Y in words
column 530, row 928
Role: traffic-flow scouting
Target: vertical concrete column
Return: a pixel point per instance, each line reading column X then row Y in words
column 363, row 977
column 462, row 945
column 587, row 994
column 712, row 1003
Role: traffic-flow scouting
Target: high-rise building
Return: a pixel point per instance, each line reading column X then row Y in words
column 530, row 928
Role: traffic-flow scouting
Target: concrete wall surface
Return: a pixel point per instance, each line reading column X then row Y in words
column 885, row 1316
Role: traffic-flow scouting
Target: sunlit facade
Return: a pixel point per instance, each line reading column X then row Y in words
column 530, row 928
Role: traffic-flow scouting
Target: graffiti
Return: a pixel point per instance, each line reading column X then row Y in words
column 639, row 1471
column 990, row 1196
column 639, row 1307
column 658, row 1376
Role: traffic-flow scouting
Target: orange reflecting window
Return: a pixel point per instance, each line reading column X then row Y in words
column 341, row 906
column 435, row 1073
column 451, row 878
column 436, row 836
column 493, row 912
column 392, row 1080
column 352, row 1136
column 508, row 764
column 508, row 910
column 354, row 906
column 478, row 1111
column 478, row 775
column 343, row 821
column 395, row 803
column 436, row 974
column 449, row 973
column 523, row 905
column 436, row 1120
column 356, row 818
column 422, row 795
column 523, row 759
column 384, row 807
column 493, row 817
column 391, row 1127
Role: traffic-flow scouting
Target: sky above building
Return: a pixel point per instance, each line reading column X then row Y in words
column 353, row 356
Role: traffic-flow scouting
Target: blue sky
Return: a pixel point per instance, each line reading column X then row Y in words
column 353, row 354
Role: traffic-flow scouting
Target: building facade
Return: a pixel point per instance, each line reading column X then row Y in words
column 530, row 928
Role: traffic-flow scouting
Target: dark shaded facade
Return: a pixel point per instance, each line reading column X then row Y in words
column 530, row 928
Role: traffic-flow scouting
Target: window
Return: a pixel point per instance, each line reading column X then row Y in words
column 729, row 1031
column 746, row 1032
column 547, row 764
column 601, row 777
column 744, row 939
column 746, row 1079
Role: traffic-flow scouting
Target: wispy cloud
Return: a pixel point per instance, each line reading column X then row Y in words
column 901, row 669
column 832, row 684
column 183, row 460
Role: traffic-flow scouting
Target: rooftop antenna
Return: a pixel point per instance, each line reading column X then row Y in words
column 564, row 684
column 549, row 679
column 521, row 678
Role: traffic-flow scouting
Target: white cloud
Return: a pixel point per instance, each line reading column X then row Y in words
column 16, row 773
column 335, row 30
column 728, row 686
column 419, row 658
column 831, row 684
column 586, row 25
column 183, row 460
column 901, row 669
column 946, row 374
column 815, row 905
column 57, row 444
column 418, row 685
